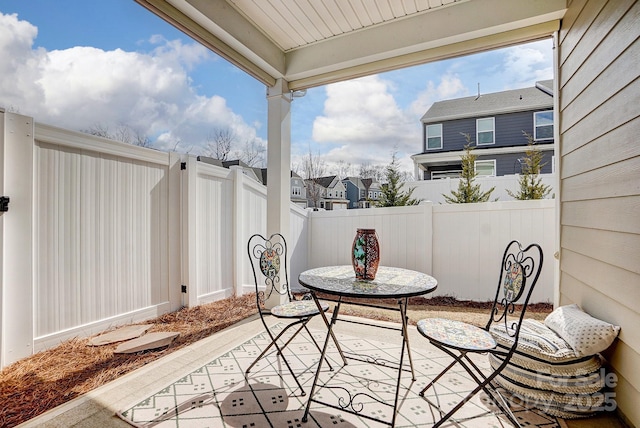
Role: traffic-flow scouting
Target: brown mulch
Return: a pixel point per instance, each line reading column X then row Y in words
column 50, row 378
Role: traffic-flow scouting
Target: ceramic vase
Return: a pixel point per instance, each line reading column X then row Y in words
column 365, row 254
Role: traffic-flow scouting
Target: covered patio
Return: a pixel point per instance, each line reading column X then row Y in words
column 291, row 46
column 204, row 385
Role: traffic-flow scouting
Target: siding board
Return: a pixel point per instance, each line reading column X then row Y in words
column 568, row 20
column 596, row 27
column 615, row 180
column 600, row 57
column 622, row 353
column 604, row 150
column 619, row 284
column 616, row 248
column 616, row 111
column 612, row 80
column 613, row 214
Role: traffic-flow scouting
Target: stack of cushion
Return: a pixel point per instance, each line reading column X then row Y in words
column 557, row 367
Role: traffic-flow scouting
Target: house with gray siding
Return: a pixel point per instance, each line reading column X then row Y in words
column 361, row 191
column 498, row 125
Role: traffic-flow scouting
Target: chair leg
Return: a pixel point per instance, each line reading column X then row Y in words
column 442, row 373
column 318, row 346
column 484, row 383
column 273, row 343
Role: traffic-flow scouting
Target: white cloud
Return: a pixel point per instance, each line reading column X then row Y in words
column 362, row 123
column 450, row 86
column 21, row 65
column 523, row 65
column 81, row 87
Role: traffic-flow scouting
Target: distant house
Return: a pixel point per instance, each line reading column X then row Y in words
column 328, row 193
column 246, row 169
column 298, row 191
column 495, row 122
column 361, row 191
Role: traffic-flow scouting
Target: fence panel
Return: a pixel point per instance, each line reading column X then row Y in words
column 459, row 244
column 433, row 190
column 214, row 233
column 101, row 234
column 404, row 234
column 469, row 240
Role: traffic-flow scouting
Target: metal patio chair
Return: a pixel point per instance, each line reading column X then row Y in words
column 519, row 273
column 269, row 264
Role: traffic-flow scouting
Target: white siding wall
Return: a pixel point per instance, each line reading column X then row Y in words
column 600, row 172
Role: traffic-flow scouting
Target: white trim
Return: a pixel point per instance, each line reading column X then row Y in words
column 535, row 127
column 439, row 125
column 493, row 131
column 89, row 329
column 83, row 141
column 485, row 161
column 431, row 158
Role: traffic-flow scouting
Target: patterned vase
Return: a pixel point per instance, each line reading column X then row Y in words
column 365, row 254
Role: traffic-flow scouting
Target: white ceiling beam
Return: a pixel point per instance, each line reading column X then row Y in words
column 433, row 29
column 218, row 26
column 460, row 28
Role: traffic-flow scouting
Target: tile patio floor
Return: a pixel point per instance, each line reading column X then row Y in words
column 203, row 386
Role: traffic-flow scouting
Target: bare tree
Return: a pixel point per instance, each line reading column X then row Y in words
column 253, row 153
column 372, row 171
column 219, row 143
column 343, row 169
column 123, row 133
column 99, row 130
column 313, row 168
column 141, row 139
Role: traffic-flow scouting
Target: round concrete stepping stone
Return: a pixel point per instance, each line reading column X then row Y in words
column 120, row 335
column 147, row 342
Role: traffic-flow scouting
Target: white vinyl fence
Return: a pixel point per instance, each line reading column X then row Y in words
column 433, row 190
column 100, row 233
column 461, row 245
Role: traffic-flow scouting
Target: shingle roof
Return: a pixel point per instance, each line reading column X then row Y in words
column 538, row 97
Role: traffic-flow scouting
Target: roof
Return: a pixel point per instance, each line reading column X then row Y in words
column 533, row 98
column 310, row 43
column 324, row 181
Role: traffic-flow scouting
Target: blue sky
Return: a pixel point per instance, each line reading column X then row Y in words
column 77, row 64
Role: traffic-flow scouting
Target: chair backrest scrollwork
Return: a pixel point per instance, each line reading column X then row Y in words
column 519, row 273
column 268, row 258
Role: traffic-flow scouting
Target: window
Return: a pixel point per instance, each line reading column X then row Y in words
column 543, row 125
column 296, row 190
column 434, row 136
column 485, row 131
column 450, row 173
column 486, row 168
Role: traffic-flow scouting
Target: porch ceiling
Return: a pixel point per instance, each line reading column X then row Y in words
column 315, row 42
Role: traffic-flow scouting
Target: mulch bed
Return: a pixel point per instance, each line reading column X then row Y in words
column 50, row 378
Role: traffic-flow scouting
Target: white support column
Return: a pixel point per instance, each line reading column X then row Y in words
column 17, row 284
column 278, row 165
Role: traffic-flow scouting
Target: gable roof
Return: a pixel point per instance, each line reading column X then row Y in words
column 514, row 100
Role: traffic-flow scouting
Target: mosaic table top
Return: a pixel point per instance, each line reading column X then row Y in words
column 390, row 282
